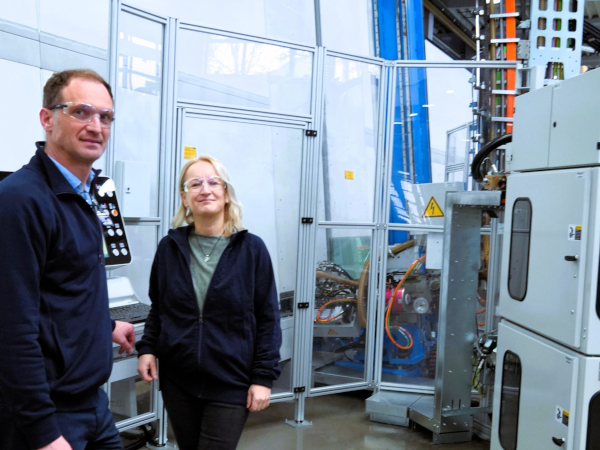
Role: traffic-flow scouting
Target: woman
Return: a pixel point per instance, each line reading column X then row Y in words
column 214, row 321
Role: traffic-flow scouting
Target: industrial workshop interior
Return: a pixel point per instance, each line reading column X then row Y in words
column 425, row 175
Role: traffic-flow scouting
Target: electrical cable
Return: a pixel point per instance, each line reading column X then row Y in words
column 389, row 308
column 324, row 305
column 362, row 283
column 484, row 152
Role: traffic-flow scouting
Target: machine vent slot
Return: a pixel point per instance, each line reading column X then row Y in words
column 510, row 398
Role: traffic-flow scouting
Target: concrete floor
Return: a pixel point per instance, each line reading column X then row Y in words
column 339, row 423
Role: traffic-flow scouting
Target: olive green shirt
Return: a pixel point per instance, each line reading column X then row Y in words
column 202, row 271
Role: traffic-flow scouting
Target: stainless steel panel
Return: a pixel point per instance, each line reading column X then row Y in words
column 458, row 306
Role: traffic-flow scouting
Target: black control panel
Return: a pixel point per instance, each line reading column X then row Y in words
column 116, row 247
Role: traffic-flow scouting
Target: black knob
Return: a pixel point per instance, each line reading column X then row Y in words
column 560, row 442
column 572, row 258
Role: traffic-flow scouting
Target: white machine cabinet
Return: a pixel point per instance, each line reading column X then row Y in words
column 549, row 279
column 558, row 125
column 545, row 394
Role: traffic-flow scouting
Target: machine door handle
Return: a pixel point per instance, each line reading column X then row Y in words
column 572, row 258
column 560, row 442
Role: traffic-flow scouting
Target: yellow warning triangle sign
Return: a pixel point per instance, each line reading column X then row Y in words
column 433, row 209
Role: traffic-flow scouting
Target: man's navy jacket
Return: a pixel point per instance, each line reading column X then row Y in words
column 55, row 327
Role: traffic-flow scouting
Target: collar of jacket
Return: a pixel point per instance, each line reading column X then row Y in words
column 180, row 236
column 58, row 183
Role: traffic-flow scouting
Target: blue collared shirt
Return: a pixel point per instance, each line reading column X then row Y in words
column 80, row 188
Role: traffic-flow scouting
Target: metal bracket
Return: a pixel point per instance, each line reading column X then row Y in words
column 505, row 41
column 526, row 24
column 298, row 390
column 303, row 305
column 307, row 220
column 311, row 133
column 523, row 49
column 504, row 15
column 466, row 411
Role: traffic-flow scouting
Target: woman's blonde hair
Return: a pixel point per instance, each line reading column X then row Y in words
column 233, row 209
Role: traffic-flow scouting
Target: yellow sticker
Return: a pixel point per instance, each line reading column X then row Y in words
column 333, row 332
column 433, row 209
column 189, row 152
column 348, row 174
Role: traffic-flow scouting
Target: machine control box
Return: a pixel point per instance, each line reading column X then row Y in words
column 116, row 247
column 551, row 253
column 557, row 126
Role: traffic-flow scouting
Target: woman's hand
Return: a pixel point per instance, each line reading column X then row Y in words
column 259, row 397
column 147, row 367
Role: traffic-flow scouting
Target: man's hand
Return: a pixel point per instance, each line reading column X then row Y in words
column 124, row 335
column 59, row 444
column 147, row 367
column 258, row 398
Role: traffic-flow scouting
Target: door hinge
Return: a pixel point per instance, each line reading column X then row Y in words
column 303, row 305
column 307, row 220
column 311, row 133
column 297, row 390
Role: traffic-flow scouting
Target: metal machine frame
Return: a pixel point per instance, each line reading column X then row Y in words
column 174, row 109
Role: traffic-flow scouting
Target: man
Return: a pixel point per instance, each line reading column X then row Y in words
column 55, row 327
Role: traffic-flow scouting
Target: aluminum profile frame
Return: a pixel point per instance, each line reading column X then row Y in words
column 373, row 226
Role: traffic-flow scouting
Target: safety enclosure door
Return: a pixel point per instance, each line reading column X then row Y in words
column 544, row 255
column 264, row 162
column 525, row 416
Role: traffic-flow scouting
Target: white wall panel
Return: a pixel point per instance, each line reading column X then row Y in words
column 21, row 11
column 81, row 21
column 19, row 121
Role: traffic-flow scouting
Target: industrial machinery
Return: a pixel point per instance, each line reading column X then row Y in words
column 549, row 332
column 135, row 405
column 411, row 299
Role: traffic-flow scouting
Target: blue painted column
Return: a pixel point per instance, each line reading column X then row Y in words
column 417, row 90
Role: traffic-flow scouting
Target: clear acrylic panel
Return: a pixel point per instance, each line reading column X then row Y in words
column 456, row 176
column 457, row 145
column 288, row 20
column 266, row 178
column 411, row 310
column 225, row 70
column 434, row 136
column 143, row 241
column 347, row 26
column 130, row 397
column 340, row 308
column 138, row 97
column 349, row 152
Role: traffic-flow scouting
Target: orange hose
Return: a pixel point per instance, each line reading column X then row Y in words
column 389, row 308
column 335, row 300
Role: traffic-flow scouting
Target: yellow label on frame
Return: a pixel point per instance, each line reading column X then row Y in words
column 348, row 174
column 189, row 152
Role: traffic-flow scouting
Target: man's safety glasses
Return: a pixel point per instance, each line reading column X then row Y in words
column 85, row 112
column 196, row 184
